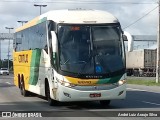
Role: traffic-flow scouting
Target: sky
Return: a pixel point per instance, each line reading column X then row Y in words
column 138, row 17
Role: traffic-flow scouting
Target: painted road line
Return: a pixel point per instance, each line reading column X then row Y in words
column 8, row 83
column 151, row 103
column 133, row 89
column 144, row 91
column 138, row 90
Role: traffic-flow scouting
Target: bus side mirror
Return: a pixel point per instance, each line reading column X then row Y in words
column 54, row 41
column 54, row 49
column 124, row 37
column 128, row 37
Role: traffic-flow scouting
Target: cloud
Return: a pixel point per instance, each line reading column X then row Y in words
column 126, row 13
column 11, row 12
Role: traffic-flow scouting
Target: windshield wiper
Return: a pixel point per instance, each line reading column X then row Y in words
column 66, row 62
column 75, row 62
column 84, row 65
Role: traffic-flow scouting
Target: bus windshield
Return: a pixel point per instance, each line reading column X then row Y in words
column 90, row 49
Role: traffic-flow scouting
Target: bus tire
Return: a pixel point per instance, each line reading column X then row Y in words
column 105, row 102
column 51, row 102
column 24, row 92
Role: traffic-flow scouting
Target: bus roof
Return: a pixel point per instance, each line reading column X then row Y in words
column 77, row 16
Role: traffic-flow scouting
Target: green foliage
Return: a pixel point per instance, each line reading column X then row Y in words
column 143, row 82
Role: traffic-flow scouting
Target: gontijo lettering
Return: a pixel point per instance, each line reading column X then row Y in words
column 23, row 58
column 84, row 82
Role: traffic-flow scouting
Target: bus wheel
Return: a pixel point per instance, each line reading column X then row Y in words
column 22, row 89
column 105, row 102
column 51, row 102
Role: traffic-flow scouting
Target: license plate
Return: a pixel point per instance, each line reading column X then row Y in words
column 92, row 95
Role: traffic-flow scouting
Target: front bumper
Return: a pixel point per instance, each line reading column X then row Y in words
column 68, row 94
column 2, row 73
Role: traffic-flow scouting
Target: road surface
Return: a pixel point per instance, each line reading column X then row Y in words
column 139, row 98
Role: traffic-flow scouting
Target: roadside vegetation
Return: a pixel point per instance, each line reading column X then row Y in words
column 143, row 82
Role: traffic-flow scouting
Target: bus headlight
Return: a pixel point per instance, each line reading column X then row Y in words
column 121, row 82
column 67, row 84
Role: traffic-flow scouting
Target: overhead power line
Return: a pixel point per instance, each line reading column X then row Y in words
column 82, row 2
column 140, row 18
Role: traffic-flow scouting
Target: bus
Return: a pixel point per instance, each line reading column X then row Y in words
column 71, row 55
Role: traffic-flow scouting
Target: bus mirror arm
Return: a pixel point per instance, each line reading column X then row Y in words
column 128, row 37
column 54, row 41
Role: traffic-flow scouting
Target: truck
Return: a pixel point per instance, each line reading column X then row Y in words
column 141, row 62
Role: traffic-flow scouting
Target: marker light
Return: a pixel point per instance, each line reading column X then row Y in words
column 75, row 28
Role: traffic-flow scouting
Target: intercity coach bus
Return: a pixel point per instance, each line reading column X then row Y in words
column 71, row 55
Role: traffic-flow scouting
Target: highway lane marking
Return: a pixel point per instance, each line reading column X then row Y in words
column 151, row 103
column 137, row 89
column 141, row 90
column 8, row 83
column 145, row 91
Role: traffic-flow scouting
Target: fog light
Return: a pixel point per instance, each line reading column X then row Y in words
column 120, row 93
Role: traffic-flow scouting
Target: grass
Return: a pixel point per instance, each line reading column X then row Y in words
column 143, row 82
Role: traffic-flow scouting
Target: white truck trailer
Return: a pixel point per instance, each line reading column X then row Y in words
column 141, row 62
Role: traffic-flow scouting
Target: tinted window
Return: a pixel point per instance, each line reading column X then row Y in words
column 32, row 38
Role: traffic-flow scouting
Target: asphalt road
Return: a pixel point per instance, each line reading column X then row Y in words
column 139, row 98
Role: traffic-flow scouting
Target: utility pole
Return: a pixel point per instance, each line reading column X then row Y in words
column 40, row 6
column 1, row 53
column 158, row 46
column 22, row 22
column 9, row 28
column 0, row 49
